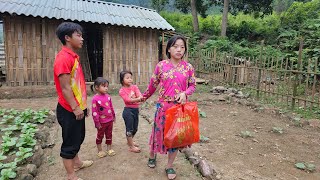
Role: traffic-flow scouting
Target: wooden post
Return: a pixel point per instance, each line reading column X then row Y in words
column 198, row 56
column 7, row 38
column 307, row 84
column 314, row 84
column 187, row 53
column 297, row 75
column 164, row 56
column 20, row 65
column 259, row 70
column 214, row 63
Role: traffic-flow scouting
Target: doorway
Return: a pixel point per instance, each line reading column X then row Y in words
column 94, row 42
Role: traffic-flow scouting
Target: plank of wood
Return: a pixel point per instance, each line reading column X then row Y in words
column 9, row 48
column 26, row 47
column 19, row 71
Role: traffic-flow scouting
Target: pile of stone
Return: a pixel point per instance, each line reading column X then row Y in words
column 232, row 92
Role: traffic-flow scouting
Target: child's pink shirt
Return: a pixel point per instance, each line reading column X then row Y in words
column 128, row 93
column 102, row 109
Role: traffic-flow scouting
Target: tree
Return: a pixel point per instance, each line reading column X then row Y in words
column 201, row 5
column 195, row 6
column 183, row 5
column 194, row 16
column 159, row 4
column 282, row 5
column 224, row 22
column 246, row 6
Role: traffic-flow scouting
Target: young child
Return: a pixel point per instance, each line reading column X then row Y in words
column 131, row 96
column 103, row 116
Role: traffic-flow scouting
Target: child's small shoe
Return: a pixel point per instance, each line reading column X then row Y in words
column 111, row 152
column 101, row 154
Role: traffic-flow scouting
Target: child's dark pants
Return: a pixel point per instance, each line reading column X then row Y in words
column 131, row 119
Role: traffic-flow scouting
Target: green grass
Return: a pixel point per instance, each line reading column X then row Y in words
column 203, row 88
column 272, row 100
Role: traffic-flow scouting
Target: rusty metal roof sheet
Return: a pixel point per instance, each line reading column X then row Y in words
column 88, row 11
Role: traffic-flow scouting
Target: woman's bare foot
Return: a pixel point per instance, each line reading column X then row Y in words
column 73, row 177
column 134, row 143
column 134, row 149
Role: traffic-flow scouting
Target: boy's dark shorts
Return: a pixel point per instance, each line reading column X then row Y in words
column 73, row 132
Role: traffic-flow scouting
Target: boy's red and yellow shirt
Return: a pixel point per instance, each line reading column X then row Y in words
column 68, row 62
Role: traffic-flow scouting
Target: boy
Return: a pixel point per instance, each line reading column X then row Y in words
column 72, row 97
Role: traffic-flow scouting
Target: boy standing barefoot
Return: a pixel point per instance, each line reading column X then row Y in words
column 72, row 97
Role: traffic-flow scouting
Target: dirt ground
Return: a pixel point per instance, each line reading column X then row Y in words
column 124, row 165
column 266, row 155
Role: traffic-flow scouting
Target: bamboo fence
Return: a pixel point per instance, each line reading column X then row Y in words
column 293, row 82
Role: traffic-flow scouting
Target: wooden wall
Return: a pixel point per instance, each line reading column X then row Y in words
column 31, row 46
column 130, row 49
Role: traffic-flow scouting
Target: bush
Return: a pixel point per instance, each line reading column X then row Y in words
column 243, row 48
column 181, row 22
column 245, row 32
column 299, row 12
column 248, row 27
column 240, row 26
column 210, row 25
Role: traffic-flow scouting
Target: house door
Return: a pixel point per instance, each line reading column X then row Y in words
column 93, row 38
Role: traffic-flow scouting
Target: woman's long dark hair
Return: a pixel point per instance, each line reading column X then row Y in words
column 172, row 41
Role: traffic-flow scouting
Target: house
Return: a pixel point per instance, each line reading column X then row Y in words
column 117, row 37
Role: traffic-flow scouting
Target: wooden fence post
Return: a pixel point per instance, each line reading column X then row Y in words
column 164, row 54
column 214, row 64
column 259, row 70
column 297, row 75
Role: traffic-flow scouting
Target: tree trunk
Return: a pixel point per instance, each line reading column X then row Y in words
column 195, row 16
column 225, row 18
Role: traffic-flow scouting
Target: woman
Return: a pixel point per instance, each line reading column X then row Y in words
column 177, row 81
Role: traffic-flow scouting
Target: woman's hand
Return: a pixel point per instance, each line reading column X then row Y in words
column 142, row 99
column 181, row 98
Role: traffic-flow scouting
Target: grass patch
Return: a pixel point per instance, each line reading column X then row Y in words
column 203, row 88
column 273, row 100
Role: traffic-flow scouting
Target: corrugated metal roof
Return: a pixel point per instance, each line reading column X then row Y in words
column 88, row 11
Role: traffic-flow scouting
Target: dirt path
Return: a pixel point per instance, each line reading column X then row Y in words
column 265, row 156
column 124, row 165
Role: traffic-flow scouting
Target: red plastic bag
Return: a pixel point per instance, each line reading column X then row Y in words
column 182, row 125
